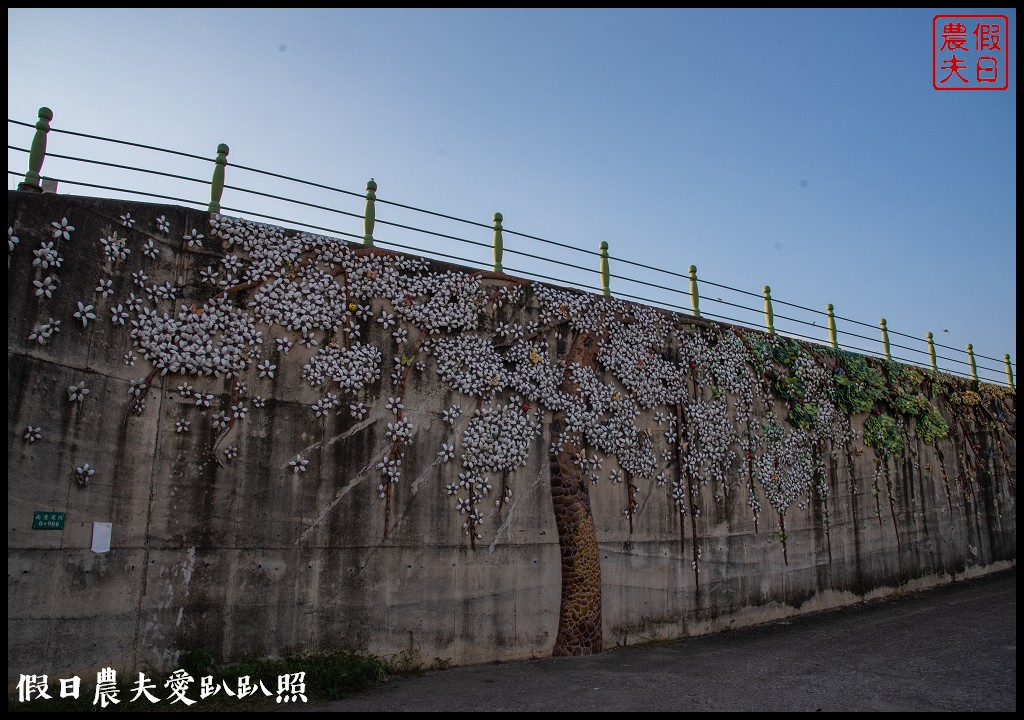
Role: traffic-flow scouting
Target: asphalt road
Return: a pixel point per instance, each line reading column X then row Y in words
column 953, row 648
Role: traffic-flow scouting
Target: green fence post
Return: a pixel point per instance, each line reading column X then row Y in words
column 37, row 153
column 370, row 216
column 974, row 365
column 694, row 297
column 832, row 326
column 1009, row 371
column 217, row 184
column 769, row 316
column 931, row 352
column 499, row 246
column 885, row 339
column 605, row 274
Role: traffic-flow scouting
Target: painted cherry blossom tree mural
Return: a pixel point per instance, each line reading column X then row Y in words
column 619, row 395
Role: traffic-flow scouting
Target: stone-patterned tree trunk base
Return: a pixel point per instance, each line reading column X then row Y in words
column 579, row 618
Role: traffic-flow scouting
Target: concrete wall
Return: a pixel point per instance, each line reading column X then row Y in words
column 713, row 503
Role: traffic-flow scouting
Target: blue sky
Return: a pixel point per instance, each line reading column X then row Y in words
column 806, row 150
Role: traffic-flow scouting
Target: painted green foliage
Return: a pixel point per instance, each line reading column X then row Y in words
column 777, row 361
column 931, row 426
column 882, row 434
column 859, row 385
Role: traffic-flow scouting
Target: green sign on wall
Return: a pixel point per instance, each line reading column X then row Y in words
column 42, row 520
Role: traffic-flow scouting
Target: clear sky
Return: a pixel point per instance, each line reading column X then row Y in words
column 806, row 150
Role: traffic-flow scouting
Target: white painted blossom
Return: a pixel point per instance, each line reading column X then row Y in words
column 62, row 229
column 321, row 407
column 163, row 224
column 182, row 426
column 115, row 249
column 133, row 303
column 119, row 315
column 266, row 369
column 150, row 250
column 284, row 344
column 451, row 414
column 391, row 469
column 77, row 393
column 298, row 464
column 209, row 275
column 137, row 387
column 85, row 313
column 47, row 257
column 399, row 431
column 83, row 473
column 42, row 332
column 32, row 434
column 194, row 238
column 166, row 291
column 45, row 287
column 127, row 220
column 231, row 264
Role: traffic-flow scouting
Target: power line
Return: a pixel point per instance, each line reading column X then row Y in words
column 132, row 144
column 115, row 165
column 116, row 189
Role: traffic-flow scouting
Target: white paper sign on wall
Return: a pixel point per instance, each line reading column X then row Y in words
column 101, row 536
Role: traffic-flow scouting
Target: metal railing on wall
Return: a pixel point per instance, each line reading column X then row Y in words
column 677, row 291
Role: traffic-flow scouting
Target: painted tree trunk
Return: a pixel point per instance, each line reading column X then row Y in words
column 579, row 618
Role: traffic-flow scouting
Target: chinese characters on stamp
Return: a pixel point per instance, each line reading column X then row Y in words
column 970, row 52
